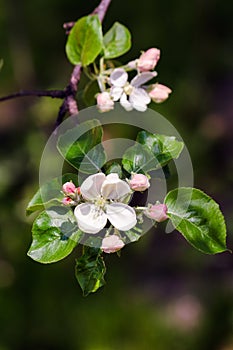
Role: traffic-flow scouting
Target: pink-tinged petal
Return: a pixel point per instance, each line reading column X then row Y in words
column 114, row 188
column 121, row 216
column 157, row 212
column 139, row 99
column 104, row 102
column 148, row 59
column 159, row 93
column 118, row 77
column 112, row 244
column 89, row 219
column 139, row 182
column 125, row 103
column 69, row 188
column 91, row 187
column 116, row 92
column 142, row 78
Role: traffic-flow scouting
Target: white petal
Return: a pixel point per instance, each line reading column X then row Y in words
column 121, row 216
column 142, row 78
column 125, row 103
column 139, row 99
column 89, row 219
column 116, row 92
column 91, row 187
column 114, row 188
column 118, row 77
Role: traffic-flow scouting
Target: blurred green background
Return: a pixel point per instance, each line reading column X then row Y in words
column 161, row 294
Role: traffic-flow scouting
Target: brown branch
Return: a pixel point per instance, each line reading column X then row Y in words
column 69, row 104
column 36, row 93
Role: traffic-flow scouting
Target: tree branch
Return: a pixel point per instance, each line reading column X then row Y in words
column 69, row 104
column 37, row 93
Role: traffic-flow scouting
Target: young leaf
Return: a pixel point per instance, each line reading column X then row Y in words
column 55, row 234
column 139, row 159
column 82, row 148
column 114, row 167
column 85, row 40
column 90, row 270
column 117, row 41
column 164, row 148
column 50, row 193
column 198, row 218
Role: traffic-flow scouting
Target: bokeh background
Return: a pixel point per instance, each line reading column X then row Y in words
column 161, row 294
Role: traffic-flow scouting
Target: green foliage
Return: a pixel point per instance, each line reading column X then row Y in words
column 90, row 270
column 50, row 193
column 55, row 234
column 90, row 90
column 85, row 41
column 117, row 41
column 114, row 167
column 164, row 148
column 152, row 152
column 86, row 152
column 198, row 218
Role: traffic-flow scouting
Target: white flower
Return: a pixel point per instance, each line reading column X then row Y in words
column 102, row 194
column 112, row 244
column 121, row 89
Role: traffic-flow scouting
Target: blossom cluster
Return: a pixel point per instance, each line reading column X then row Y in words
column 134, row 94
column 103, row 198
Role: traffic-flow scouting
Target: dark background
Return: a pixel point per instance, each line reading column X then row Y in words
column 161, row 294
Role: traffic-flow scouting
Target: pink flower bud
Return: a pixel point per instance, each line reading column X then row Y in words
column 139, row 182
column 69, row 188
column 157, row 212
column 67, row 201
column 104, row 102
column 112, row 244
column 148, row 60
column 159, row 93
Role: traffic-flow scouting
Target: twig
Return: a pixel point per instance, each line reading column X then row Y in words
column 36, row 93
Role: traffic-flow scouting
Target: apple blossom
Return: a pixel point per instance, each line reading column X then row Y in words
column 148, row 60
column 105, row 102
column 67, row 201
column 112, row 244
column 131, row 95
column 157, row 212
column 159, row 92
column 69, row 188
column 103, row 195
column 139, row 182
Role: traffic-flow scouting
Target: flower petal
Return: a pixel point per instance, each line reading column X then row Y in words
column 116, row 92
column 139, row 99
column 112, row 244
column 118, row 77
column 125, row 103
column 143, row 78
column 91, row 187
column 89, row 219
column 114, row 188
column 121, row 216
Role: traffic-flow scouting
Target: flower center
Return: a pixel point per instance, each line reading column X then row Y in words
column 128, row 89
column 100, row 202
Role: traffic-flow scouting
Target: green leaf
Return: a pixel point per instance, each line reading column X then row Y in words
column 198, row 218
column 90, row 270
column 134, row 234
column 117, row 41
column 85, row 41
column 55, row 234
column 90, row 90
column 139, row 159
column 50, row 193
column 82, row 148
column 114, row 167
column 164, row 148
